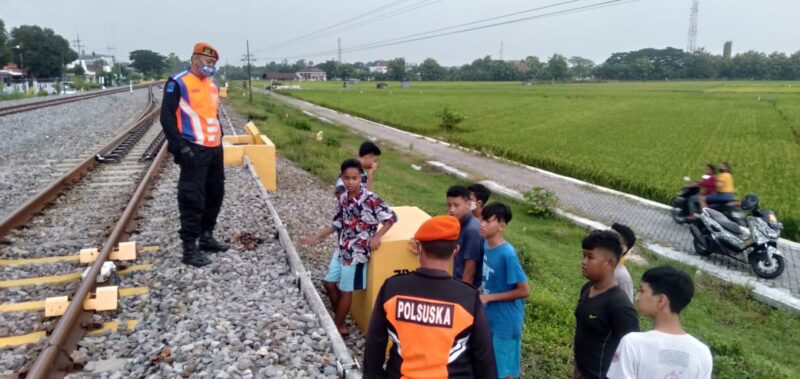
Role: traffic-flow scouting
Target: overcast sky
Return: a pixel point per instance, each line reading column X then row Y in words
column 175, row 25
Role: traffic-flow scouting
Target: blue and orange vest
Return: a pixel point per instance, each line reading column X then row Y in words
column 197, row 109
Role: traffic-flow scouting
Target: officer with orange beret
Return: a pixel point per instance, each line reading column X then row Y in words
column 194, row 135
column 437, row 324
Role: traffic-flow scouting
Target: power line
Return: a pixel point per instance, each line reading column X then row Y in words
column 384, row 16
column 480, row 21
column 318, row 31
column 425, row 35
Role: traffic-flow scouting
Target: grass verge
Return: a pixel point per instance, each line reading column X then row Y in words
column 748, row 339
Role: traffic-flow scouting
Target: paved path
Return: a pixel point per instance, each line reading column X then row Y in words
column 650, row 221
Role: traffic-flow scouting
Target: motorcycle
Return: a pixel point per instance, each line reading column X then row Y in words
column 680, row 206
column 714, row 233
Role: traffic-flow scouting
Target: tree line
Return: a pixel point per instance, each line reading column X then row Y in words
column 645, row 64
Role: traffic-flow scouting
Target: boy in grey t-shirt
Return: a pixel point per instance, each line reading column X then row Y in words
column 621, row 274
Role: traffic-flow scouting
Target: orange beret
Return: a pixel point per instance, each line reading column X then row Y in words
column 439, row 228
column 203, row 48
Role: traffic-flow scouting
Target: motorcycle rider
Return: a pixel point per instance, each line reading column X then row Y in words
column 725, row 188
column 708, row 184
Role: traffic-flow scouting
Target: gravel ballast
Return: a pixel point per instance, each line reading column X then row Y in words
column 38, row 142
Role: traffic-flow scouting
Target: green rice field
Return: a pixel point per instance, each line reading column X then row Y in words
column 638, row 137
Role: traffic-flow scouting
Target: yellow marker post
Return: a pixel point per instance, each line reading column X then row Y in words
column 392, row 258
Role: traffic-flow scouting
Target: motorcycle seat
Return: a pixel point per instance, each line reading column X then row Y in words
column 725, row 222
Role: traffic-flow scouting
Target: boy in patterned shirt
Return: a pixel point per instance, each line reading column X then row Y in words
column 358, row 213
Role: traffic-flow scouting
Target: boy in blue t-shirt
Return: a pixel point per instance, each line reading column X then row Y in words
column 504, row 288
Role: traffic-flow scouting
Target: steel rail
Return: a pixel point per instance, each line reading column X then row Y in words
column 63, row 100
column 54, row 360
column 33, row 205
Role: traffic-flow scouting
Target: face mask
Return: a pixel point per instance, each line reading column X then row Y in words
column 208, row 70
column 473, row 206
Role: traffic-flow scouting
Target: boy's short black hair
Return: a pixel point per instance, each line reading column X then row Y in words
column 367, row 148
column 480, row 191
column 350, row 163
column 442, row 249
column 500, row 211
column 603, row 240
column 458, row 191
column 673, row 283
column 626, row 233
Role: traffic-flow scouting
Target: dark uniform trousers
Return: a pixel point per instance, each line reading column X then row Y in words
column 201, row 187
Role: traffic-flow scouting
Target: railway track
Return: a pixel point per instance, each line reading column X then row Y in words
column 91, row 205
column 242, row 316
column 62, row 100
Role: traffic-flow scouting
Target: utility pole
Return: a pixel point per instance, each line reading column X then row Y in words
column 501, row 50
column 79, row 47
column 249, row 58
column 111, row 50
column 339, row 41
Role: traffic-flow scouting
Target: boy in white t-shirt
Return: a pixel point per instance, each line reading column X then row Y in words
column 667, row 351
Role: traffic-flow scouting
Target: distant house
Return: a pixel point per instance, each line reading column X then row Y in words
column 281, row 76
column 521, row 67
column 380, row 67
column 313, row 74
column 11, row 73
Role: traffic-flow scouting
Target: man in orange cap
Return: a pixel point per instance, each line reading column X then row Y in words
column 194, row 134
column 437, row 324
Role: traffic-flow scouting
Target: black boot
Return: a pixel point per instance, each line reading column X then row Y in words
column 208, row 243
column 192, row 256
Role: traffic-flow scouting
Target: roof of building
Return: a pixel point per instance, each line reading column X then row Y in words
column 311, row 69
column 11, row 69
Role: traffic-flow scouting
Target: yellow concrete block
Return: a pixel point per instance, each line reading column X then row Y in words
column 251, row 129
column 232, row 155
column 264, row 162
column 259, row 149
column 238, row 139
column 223, row 92
column 392, row 258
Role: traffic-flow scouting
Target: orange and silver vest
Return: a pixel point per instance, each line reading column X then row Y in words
column 197, row 109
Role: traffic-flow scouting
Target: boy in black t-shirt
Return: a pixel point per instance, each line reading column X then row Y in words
column 604, row 313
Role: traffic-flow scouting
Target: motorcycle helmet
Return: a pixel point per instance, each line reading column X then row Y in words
column 750, row 202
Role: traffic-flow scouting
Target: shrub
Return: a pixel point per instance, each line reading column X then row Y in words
column 449, row 120
column 542, row 201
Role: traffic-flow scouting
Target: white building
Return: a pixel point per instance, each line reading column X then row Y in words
column 380, row 67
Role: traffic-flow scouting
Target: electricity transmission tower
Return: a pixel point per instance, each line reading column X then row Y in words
column 691, row 45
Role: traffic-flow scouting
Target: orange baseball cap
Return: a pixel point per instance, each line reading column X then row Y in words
column 439, row 228
column 203, row 48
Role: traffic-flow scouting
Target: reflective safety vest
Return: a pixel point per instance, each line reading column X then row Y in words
column 197, row 109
